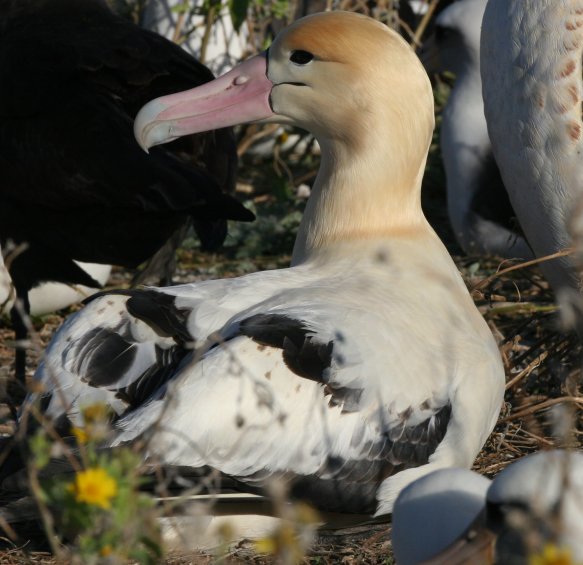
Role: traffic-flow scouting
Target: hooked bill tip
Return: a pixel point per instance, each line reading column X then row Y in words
column 147, row 130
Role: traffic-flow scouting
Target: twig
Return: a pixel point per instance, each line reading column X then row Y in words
column 495, row 467
column 56, row 437
column 517, row 307
column 209, row 22
column 526, row 371
column 542, row 406
column 4, row 525
column 405, row 26
column 248, row 140
column 538, row 438
column 488, row 280
column 306, row 176
column 45, row 515
column 424, row 22
column 510, row 447
column 279, row 163
column 180, row 22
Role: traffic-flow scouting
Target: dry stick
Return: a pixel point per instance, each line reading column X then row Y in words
column 529, row 369
column 248, row 140
column 209, row 22
column 538, row 438
column 509, row 446
column 4, row 525
column 534, row 398
column 279, row 163
column 424, row 22
column 515, row 307
column 528, row 405
column 495, row 467
column 540, row 344
column 404, row 25
column 306, row 177
column 24, row 554
column 542, row 406
column 488, row 280
column 45, row 514
column 180, row 22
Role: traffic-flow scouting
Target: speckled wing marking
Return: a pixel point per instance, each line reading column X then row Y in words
column 345, row 484
column 302, row 352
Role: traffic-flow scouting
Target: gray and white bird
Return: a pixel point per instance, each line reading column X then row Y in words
column 480, row 212
column 456, row 516
column 531, row 73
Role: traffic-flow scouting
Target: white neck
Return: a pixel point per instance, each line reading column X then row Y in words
column 362, row 191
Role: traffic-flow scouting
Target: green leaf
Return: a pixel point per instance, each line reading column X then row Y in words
column 238, row 12
column 40, row 447
column 282, row 189
column 280, row 9
column 181, row 8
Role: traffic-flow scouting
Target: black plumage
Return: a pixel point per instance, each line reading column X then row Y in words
column 74, row 184
column 304, row 355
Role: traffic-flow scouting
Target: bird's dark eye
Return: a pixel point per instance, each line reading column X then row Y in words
column 300, row 57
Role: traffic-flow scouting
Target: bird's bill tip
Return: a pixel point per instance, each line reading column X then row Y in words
column 147, row 130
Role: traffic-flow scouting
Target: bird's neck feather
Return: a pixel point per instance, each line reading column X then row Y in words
column 365, row 190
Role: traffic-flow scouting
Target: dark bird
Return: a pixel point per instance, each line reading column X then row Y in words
column 74, row 184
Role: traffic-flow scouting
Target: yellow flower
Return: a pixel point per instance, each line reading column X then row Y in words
column 80, row 434
column 106, row 551
column 95, row 413
column 265, row 545
column 94, row 486
column 552, row 555
column 283, row 539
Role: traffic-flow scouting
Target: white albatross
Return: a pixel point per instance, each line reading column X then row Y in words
column 532, row 88
column 437, row 517
column 355, row 371
column 478, row 206
column 456, row 516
